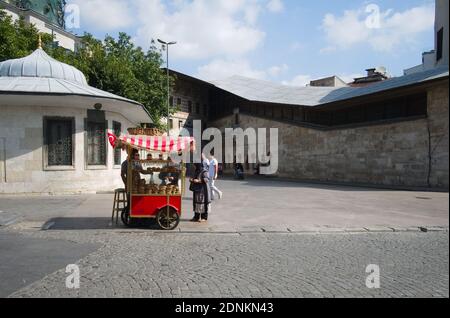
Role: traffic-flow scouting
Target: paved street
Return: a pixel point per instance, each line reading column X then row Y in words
column 252, row 265
column 265, row 238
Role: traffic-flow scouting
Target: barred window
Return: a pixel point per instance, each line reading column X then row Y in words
column 58, row 133
column 96, row 143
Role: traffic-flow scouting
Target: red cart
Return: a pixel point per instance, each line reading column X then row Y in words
column 155, row 181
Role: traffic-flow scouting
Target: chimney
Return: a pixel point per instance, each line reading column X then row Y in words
column 370, row 72
column 374, row 75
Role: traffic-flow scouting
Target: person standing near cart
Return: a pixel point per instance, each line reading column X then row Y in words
column 136, row 166
column 201, row 189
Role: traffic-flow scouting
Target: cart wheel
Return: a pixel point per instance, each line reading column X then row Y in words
column 125, row 216
column 168, row 219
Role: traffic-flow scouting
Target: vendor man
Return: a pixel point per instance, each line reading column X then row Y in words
column 171, row 178
column 136, row 166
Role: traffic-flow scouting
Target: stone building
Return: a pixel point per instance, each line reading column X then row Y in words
column 378, row 131
column 53, row 128
column 391, row 133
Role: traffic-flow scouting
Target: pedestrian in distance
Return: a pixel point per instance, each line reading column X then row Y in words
column 213, row 174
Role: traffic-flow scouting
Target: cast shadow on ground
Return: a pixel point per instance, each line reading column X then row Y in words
column 98, row 223
column 282, row 183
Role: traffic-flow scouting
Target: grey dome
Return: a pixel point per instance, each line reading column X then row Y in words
column 40, row 64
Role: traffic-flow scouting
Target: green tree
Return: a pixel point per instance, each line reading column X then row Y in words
column 17, row 39
column 113, row 65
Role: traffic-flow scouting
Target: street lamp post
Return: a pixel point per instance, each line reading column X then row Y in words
column 167, row 44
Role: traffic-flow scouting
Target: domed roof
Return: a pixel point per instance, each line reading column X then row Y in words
column 40, row 64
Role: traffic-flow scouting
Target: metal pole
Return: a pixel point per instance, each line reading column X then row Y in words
column 168, row 93
column 167, row 44
column 168, row 128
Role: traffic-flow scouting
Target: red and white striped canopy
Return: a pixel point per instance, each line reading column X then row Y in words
column 154, row 143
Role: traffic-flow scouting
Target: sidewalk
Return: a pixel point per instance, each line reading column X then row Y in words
column 263, row 206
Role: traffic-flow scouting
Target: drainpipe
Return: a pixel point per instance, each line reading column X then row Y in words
column 429, row 154
column 4, row 158
column 431, row 150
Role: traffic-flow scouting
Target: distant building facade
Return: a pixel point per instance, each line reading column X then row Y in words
column 439, row 57
column 191, row 97
column 332, row 81
column 47, row 16
column 441, row 33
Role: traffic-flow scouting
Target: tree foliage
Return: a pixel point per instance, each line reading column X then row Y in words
column 113, row 65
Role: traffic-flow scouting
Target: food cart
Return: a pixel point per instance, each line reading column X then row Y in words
column 155, row 181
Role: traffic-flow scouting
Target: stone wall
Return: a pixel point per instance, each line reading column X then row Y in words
column 395, row 154
column 21, row 128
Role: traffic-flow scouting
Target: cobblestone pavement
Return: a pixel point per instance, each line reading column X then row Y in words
column 149, row 264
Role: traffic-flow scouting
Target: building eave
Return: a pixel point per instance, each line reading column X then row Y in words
column 133, row 111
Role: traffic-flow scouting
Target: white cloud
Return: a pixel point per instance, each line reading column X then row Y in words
column 104, row 15
column 327, row 49
column 394, row 29
column 277, row 70
column 298, row 81
column 252, row 13
column 222, row 68
column 346, row 30
column 203, row 28
column 220, row 33
column 275, row 6
column 219, row 69
column 296, row 46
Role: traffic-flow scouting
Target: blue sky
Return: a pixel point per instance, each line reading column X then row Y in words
column 284, row 41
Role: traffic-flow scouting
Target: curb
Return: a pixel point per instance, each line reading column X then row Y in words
column 7, row 219
column 277, row 230
column 318, row 230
